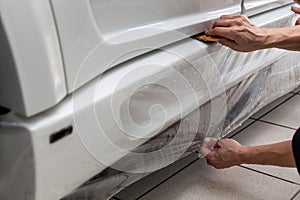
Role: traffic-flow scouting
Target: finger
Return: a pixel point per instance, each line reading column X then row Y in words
column 246, row 19
column 297, row 22
column 205, row 151
column 238, row 21
column 242, row 17
column 212, row 163
column 225, row 32
column 224, row 23
column 219, row 167
column 295, row 9
column 208, row 144
column 221, row 143
column 221, row 152
column 212, row 143
column 211, row 155
column 230, row 16
column 224, row 142
column 208, row 162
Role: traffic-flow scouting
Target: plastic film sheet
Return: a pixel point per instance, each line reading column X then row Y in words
column 241, row 100
column 166, row 102
column 216, row 90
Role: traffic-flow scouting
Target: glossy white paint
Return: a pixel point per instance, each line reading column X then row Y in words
column 97, row 110
column 99, row 34
column 33, row 80
column 95, row 36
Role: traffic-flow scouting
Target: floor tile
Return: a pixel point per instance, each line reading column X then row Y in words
column 262, row 133
column 287, row 114
column 244, row 125
column 297, row 197
column 137, row 189
column 271, row 106
column 200, row 181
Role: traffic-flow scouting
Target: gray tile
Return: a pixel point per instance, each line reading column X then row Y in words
column 244, row 125
column 137, row 189
column 271, row 106
column 297, row 196
column 200, row 181
column 287, row 114
column 262, row 133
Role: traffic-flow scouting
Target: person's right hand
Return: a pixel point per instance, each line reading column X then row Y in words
column 239, row 33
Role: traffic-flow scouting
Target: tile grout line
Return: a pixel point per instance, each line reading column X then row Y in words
column 272, row 123
column 295, row 195
column 270, row 175
column 243, row 129
column 258, row 119
column 115, row 198
column 255, row 120
column 150, row 190
column 293, row 94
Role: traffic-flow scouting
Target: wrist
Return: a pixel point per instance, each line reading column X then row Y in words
column 268, row 38
column 245, row 155
column 285, row 38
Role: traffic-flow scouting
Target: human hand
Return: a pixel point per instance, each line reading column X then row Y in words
column 239, row 33
column 296, row 10
column 227, row 153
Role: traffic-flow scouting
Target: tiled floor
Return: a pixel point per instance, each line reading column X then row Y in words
column 191, row 178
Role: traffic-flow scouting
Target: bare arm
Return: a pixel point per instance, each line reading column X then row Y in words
column 279, row 154
column 284, row 38
column 289, row 37
column 240, row 34
column 229, row 152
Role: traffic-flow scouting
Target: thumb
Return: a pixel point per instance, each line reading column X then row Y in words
column 222, row 143
column 211, row 155
column 208, row 145
column 210, row 142
column 205, row 151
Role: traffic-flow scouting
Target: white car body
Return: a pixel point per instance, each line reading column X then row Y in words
column 69, row 68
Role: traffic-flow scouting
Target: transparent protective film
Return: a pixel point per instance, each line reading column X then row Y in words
column 140, row 116
column 228, row 86
column 193, row 95
column 249, row 93
column 154, row 105
column 161, row 92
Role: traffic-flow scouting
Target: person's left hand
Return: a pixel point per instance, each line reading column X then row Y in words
column 227, row 153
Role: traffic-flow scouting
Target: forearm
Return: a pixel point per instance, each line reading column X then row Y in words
column 284, row 38
column 279, row 154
